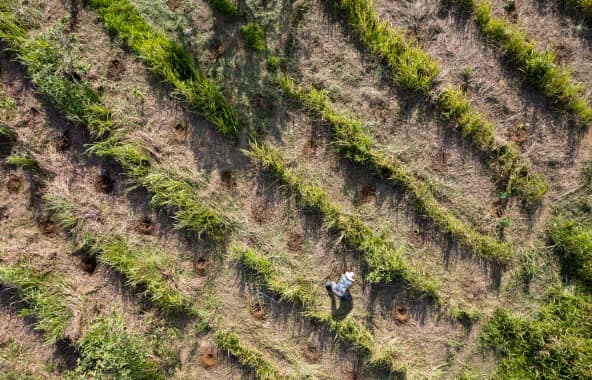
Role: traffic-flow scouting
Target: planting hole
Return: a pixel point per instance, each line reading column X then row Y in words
column 295, row 241
column 104, row 183
column 440, row 162
column 47, row 226
column 3, row 213
column 259, row 212
column 208, row 357
column 228, row 178
column 146, row 226
column 415, row 238
column 115, row 69
column 216, row 49
column 517, row 134
column 63, row 142
column 310, row 148
column 368, row 193
column 89, row 263
column 201, row 265
column 259, row 311
column 311, row 353
column 14, row 183
column 180, row 128
column 401, row 314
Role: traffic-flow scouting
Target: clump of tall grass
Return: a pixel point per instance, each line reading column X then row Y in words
column 299, row 294
column 346, row 330
column 555, row 344
column 170, row 62
column 573, row 241
column 413, row 69
column 537, row 67
column 25, row 162
column 7, row 134
column 109, row 350
column 45, row 297
column 254, row 36
column 247, row 356
column 226, row 7
column 514, row 174
column 384, row 262
column 351, row 140
column 143, row 267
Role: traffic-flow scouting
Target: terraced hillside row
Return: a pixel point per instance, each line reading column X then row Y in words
column 181, row 178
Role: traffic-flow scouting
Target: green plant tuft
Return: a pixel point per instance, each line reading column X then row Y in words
column 226, row 7
column 24, row 162
column 254, row 36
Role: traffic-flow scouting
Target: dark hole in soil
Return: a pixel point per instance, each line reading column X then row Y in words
column 259, row 212
column 201, row 265
column 115, row 69
column 310, row 147
column 311, row 353
column 14, row 183
column 440, row 162
column 228, row 178
column 89, row 263
column 295, row 241
column 180, row 128
column 104, row 183
column 146, row 226
column 258, row 311
column 63, row 142
column 3, row 213
column 401, row 314
column 208, row 357
column 47, row 226
column 368, row 193
column 263, row 102
column 72, row 76
column 415, row 238
column 216, row 49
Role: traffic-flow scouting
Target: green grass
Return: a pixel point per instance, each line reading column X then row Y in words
column 24, row 162
column 254, row 36
column 383, row 261
column 514, row 175
column 144, row 268
column 555, row 344
column 352, row 141
column 537, row 67
column 573, row 242
column 226, row 7
column 7, row 134
column 44, row 294
column 412, row 68
column 169, row 62
column 110, row 351
column 247, row 356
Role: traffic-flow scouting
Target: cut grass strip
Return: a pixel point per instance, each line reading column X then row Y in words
column 504, row 159
column 169, row 62
column 554, row 344
column 573, row 241
column 247, row 356
column 78, row 101
column 144, row 268
column 537, row 67
column 383, row 261
column 45, row 296
column 352, row 141
column 303, row 295
column 412, row 68
column 109, row 350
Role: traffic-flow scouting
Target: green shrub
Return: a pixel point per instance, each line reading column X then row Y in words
column 45, row 297
column 273, row 63
column 24, row 162
column 573, row 241
column 7, row 134
column 109, row 351
column 226, row 7
column 254, row 36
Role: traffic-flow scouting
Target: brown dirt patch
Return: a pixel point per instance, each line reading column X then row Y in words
column 201, row 265
column 259, row 310
column 511, row 10
column 47, row 226
column 415, row 238
column 310, row 147
column 401, row 314
column 263, row 102
column 216, row 49
column 3, row 213
column 498, row 208
column 208, row 357
column 311, row 353
column 104, row 184
column 260, row 212
column 295, row 241
column 174, row 4
column 228, row 179
column 62, row 142
column 145, row 227
column 14, row 184
column 473, row 289
column 517, row 134
column 440, row 162
column 563, row 53
column 115, row 69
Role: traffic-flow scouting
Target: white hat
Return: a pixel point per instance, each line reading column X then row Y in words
column 350, row 276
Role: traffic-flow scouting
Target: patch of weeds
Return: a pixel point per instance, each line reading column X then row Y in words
column 109, row 348
column 24, row 162
column 45, row 296
column 7, row 134
column 226, row 7
column 573, row 242
column 273, row 63
column 254, row 36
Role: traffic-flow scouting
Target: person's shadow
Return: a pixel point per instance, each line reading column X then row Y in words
column 346, row 304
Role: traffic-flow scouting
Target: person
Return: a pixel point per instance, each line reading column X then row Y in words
column 341, row 288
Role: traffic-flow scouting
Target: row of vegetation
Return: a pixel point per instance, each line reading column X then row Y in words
column 538, row 67
column 169, row 62
column 42, row 57
column 301, row 293
column 512, row 173
column 384, row 262
column 143, row 267
column 351, row 140
column 584, row 7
